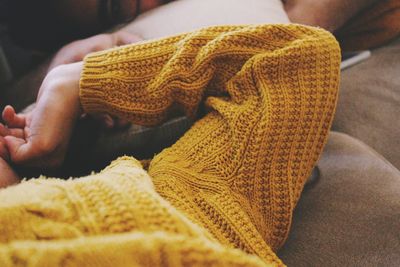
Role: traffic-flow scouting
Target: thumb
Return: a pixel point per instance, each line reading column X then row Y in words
column 8, row 176
column 4, row 154
column 32, row 153
column 18, row 149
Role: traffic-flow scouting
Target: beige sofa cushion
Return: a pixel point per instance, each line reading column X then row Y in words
column 351, row 215
column 369, row 102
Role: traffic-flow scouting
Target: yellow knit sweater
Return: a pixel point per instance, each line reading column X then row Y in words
column 224, row 194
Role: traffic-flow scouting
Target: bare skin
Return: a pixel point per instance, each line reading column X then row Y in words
column 18, row 142
column 27, row 139
column 17, row 126
column 76, row 51
column 24, row 92
column 8, row 176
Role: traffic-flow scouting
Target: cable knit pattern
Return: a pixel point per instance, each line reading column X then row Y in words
column 224, row 194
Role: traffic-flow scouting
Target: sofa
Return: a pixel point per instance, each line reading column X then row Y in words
column 351, row 215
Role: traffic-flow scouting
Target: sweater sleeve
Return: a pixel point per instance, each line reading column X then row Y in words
column 145, row 82
column 270, row 92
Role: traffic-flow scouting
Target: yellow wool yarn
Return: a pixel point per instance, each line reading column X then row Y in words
column 224, row 194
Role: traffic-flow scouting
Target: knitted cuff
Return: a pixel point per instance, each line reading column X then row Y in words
column 91, row 95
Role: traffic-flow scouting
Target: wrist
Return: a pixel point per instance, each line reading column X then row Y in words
column 64, row 85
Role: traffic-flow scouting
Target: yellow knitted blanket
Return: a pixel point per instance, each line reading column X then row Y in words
column 224, row 194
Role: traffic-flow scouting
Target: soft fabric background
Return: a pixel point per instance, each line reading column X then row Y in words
column 369, row 102
column 351, row 215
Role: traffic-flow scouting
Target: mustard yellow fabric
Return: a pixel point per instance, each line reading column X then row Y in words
column 224, row 194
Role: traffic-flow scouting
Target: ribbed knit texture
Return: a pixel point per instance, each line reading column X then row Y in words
column 224, row 194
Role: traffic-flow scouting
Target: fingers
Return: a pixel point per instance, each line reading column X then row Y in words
column 3, row 130
column 12, row 119
column 3, row 149
column 7, row 175
column 17, row 148
column 26, row 153
column 30, row 154
column 16, row 132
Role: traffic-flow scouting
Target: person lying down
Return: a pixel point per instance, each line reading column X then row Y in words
column 222, row 195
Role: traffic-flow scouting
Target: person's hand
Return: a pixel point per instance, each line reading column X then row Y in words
column 7, row 174
column 41, row 137
column 3, row 148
